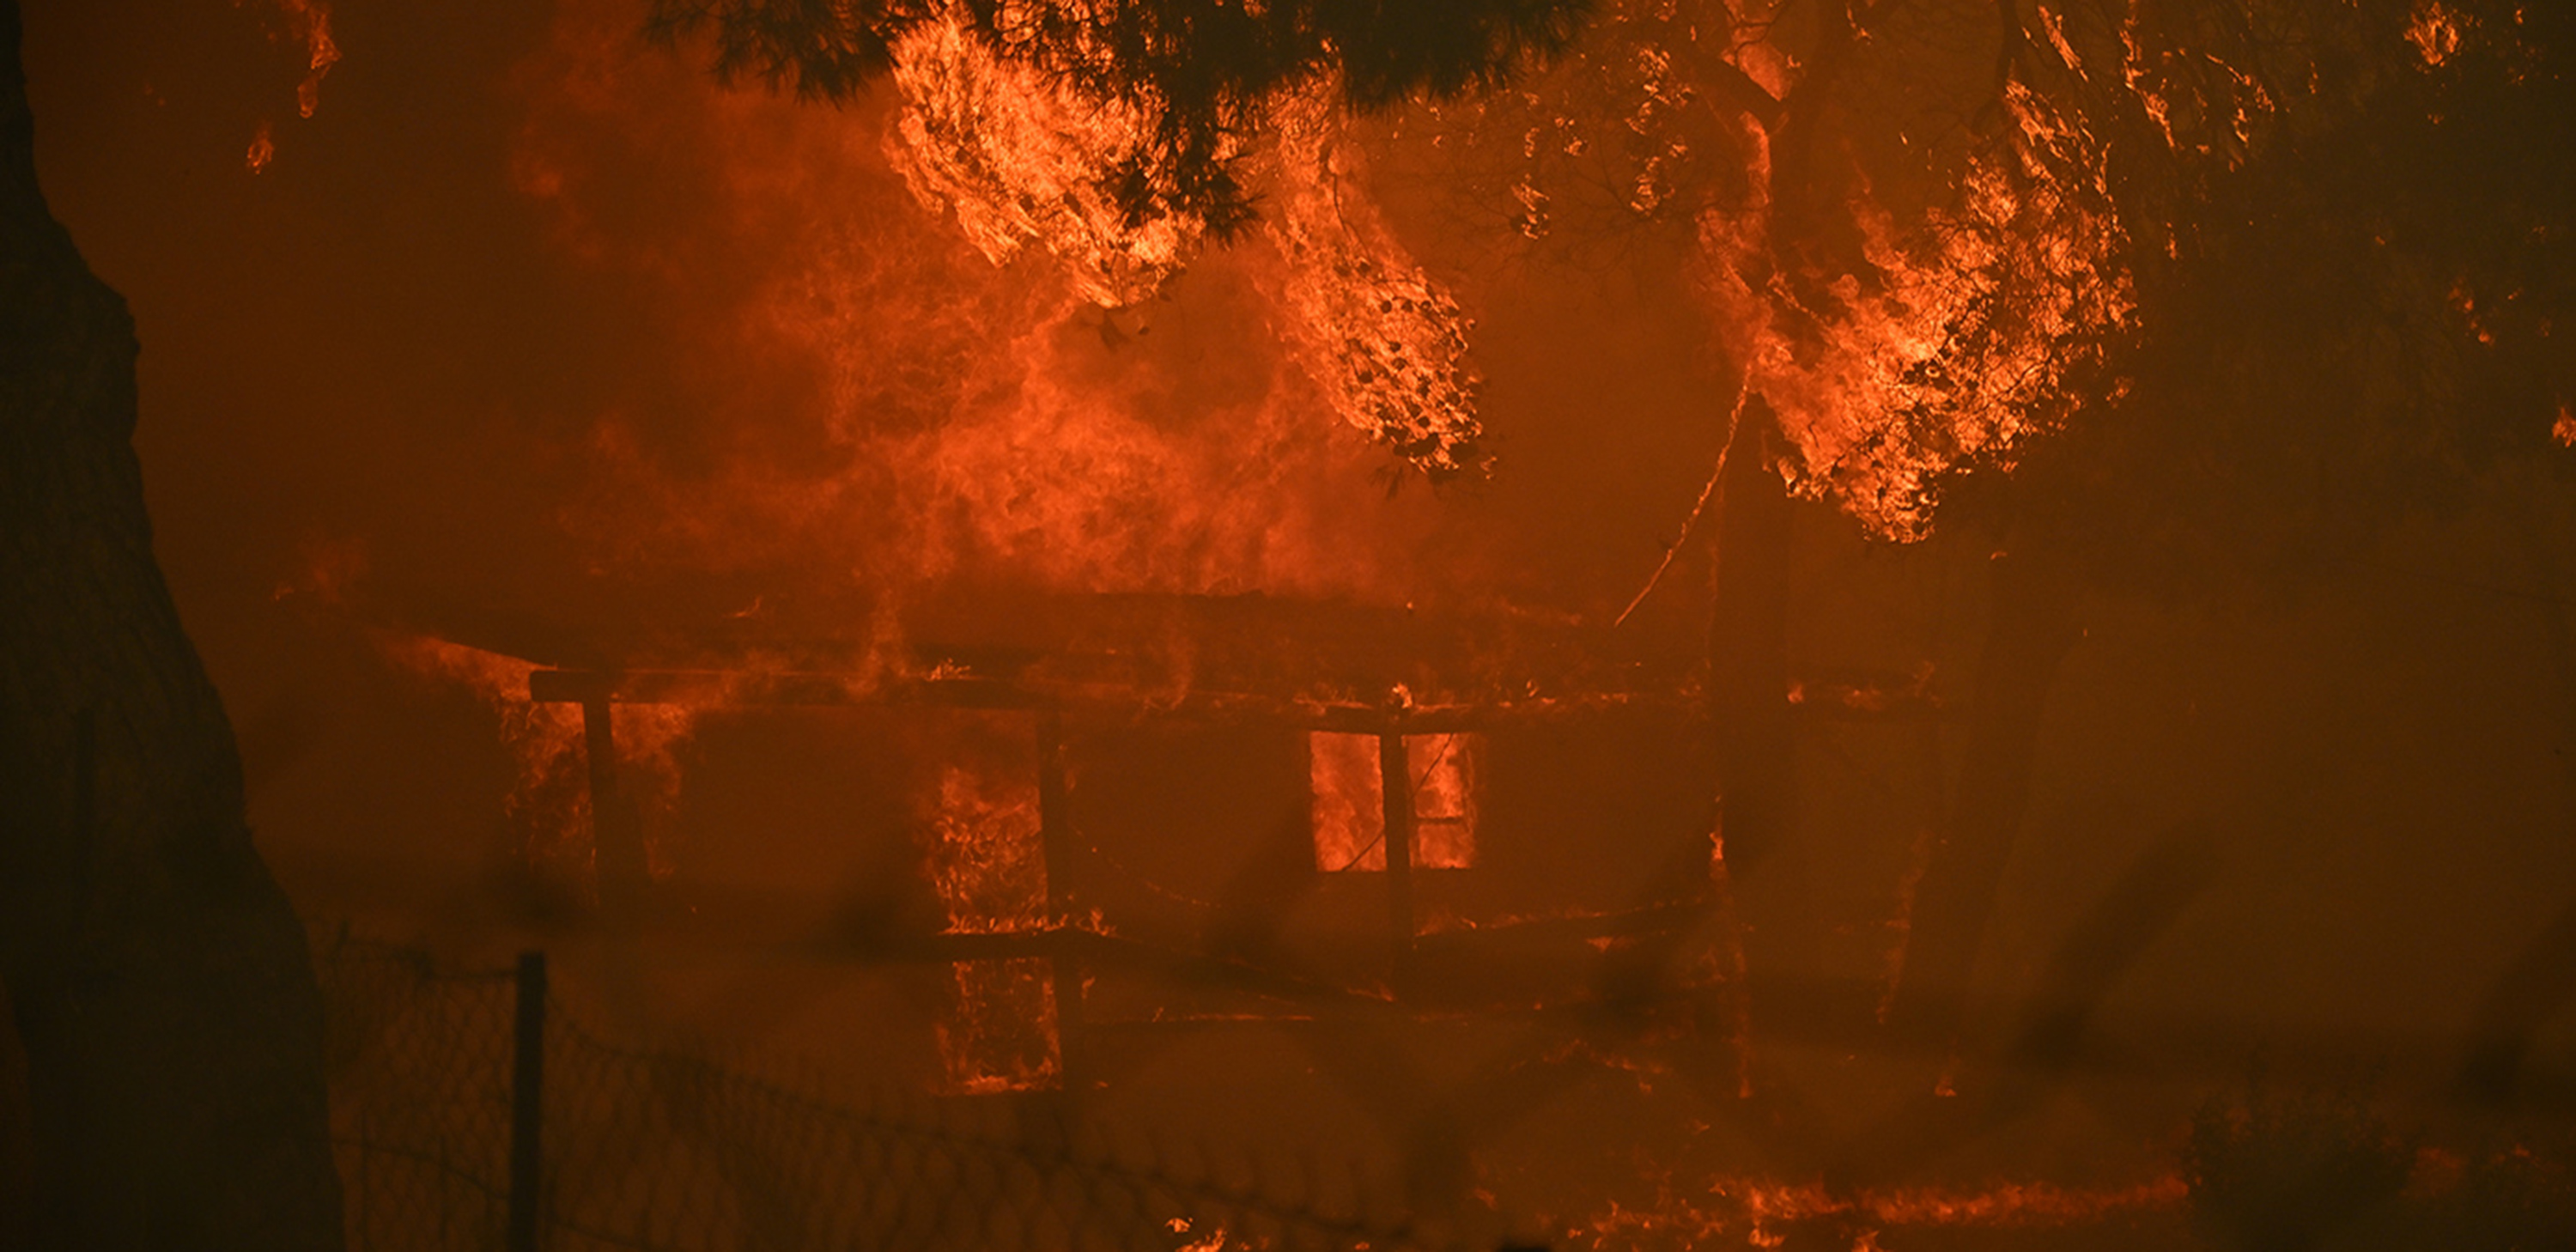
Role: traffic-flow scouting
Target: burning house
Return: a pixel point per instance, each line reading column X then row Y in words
column 1692, row 619
column 1139, row 812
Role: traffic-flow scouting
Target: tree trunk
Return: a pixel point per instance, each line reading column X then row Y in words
column 2030, row 628
column 158, row 977
column 1748, row 693
column 2537, row 985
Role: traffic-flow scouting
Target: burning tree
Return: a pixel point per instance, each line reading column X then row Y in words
column 2154, row 289
column 1122, row 137
column 2148, row 288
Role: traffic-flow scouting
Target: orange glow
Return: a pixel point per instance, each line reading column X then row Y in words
column 1000, row 1034
column 2564, row 429
column 990, row 871
column 1387, row 344
column 2434, row 29
column 263, row 150
column 1021, row 160
column 1957, row 348
column 1350, row 802
column 984, row 855
column 1747, row 1209
column 1752, row 50
column 550, row 801
column 1900, row 926
column 892, row 410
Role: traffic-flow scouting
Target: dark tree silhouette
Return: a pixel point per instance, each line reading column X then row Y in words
column 2352, row 240
column 158, row 976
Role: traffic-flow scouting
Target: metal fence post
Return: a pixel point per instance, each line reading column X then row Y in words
column 527, row 1102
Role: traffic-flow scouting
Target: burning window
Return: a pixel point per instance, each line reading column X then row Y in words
column 1350, row 803
column 999, row 1032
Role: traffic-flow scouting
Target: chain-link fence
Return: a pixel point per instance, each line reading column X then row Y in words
column 453, row 1132
column 420, row 1073
column 667, row 1150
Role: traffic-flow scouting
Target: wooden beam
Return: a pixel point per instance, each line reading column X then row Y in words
column 1395, row 782
column 748, row 689
column 1056, row 842
column 617, row 843
column 729, row 688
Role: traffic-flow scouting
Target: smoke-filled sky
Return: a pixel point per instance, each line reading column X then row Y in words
column 531, row 335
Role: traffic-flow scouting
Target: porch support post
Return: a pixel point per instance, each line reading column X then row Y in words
column 1056, row 842
column 618, row 846
column 1395, row 777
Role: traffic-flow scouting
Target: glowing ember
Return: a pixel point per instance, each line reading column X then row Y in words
column 2564, row 429
column 1022, row 160
column 2434, row 29
column 310, row 21
column 263, row 150
column 1746, row 1209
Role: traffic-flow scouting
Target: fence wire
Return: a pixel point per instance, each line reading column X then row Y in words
column 667, row 1150
column 420, row 1096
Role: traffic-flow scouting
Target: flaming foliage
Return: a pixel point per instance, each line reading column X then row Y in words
column 1021, row 157
column 308, row 24
column 1387, row 343
column 1109, row 132
column 1931, row 232
column 1957, row 336
column 1199, row 74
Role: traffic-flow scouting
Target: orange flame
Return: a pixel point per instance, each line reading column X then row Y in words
column 263, row 150
column 310, row 21
column 551, row 798
column 1749, row 1209
column 1349, row 800
column 984, row 855
column 1386, row 342
column 1023, row 160
column 990, row 871
column 2434, row 29
column 1752, row 50
column 883, row 404
column 1955, row 345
